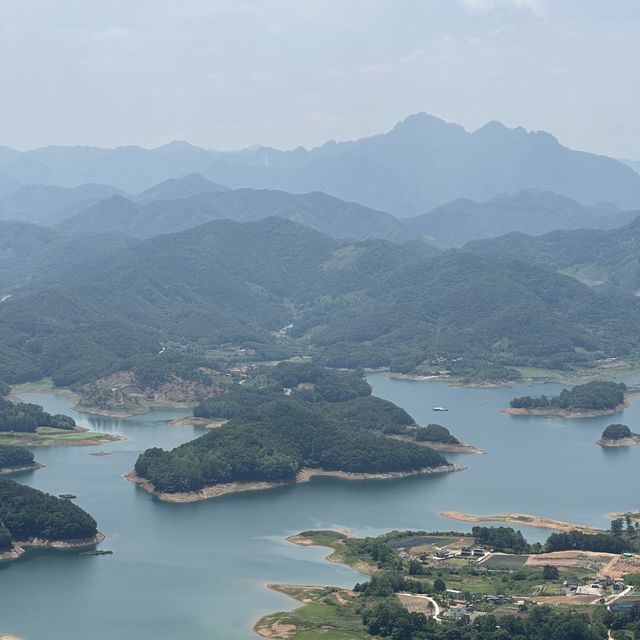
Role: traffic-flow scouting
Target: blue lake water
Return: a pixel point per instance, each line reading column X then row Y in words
column 198, row 571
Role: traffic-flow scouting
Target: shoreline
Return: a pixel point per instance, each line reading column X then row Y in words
column 521, row 519
column 20, row 547
column 444, row 447
column 207, row 423
column 620, row 442
column 304, row 475
column 48, row 440
column 566, row 413
column 27, row 467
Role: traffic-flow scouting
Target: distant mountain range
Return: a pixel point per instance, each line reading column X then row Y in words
column 319, row 211
column 533, row 212
column 608, row 259
column 45, row 204
column 422, row 163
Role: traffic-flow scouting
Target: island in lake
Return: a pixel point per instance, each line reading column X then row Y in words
column 30, row 518
column 618, row 435
column 302, row 421
column 490, row 584
column 593, row 399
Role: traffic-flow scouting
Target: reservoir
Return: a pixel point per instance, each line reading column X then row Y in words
column 198, row 571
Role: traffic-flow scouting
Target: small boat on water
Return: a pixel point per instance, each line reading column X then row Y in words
column 440, row 409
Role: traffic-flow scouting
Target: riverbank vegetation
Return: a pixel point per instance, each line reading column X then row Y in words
column 26, row 417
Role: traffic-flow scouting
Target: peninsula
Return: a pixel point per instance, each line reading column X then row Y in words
column 30, row 518
column 307, row 421
column 539, row 522
column 593, row 399
column 484, row 584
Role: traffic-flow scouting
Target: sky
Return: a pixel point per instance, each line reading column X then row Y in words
column 227, row 74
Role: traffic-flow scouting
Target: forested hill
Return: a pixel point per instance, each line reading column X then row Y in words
column 351, row 304
column 532, row 212
column 305, row 416
column 607, row 258
column 27, row 513
column 32, row 254
column 173, row 213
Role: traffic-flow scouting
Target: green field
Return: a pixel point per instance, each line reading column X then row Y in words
column 49, row 436
column 327, row 614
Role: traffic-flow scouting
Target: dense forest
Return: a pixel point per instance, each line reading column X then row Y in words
column 616, row 432
column 435, row 433
column 328, row 421
column 593, row 396
column 29, row 513
column 24, row 416
column 350, row 304
column 11, row 456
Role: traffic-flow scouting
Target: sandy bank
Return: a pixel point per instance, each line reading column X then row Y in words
column 564, row 413
column 620, row 442
column 20, row 546
column 27, row 467
column 304, row 475
column 461, row 447
column 521, row 519
column 39, row 543
column 208, row 423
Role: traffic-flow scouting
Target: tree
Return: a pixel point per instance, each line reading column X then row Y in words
column 616, row 527
column 550, row 573
column 439, row 585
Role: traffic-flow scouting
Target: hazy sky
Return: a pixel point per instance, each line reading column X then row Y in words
column 231, row 73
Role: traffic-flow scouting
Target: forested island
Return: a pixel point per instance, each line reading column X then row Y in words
column 32, row 518
column 488, row 585
column 595, row 398
column 16, row 459
column 618, row 435
column 304, row 420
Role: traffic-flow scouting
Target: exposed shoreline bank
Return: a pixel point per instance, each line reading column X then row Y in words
column 443, row 447
column 620, row 442
column 26, row 467
column 20, row 547
column 304, row 475
column 523, row 519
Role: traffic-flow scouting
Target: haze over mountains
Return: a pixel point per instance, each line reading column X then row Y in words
column 532, row 211
column 423, row 162
column 93, row 274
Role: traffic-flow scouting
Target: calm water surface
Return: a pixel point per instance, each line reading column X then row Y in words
column 197, row 571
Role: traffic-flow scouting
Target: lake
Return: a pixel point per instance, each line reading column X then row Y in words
column 198, row 571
